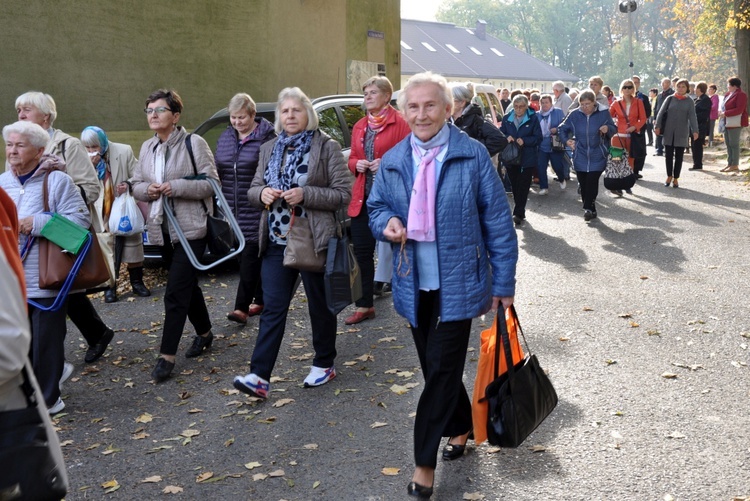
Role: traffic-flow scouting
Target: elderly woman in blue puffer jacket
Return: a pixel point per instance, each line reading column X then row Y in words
column 237, row 153
column 587, row 130
column 521, row 126
column 435, row 199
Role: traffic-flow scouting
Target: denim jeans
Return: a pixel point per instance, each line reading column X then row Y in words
column 544, row 158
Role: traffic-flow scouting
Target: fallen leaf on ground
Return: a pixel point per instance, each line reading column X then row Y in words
column 562, row 338
column 390, row 471
column 253, row 464
column 151, row 480
column 625, row 315
column 388, row 339
column 276, row 473
column 669, row 375
column 65, row 442
column 204, row 476
column 259, row 476
column 473, row 496
column 378, row 424
column 310, row 446
column 398, row 389
column 229, row 442
column 586, row 308
column 494, row 450
column 195, row 411
column 366, row 358
column 190, row 433
column 144, row 418
column 316, row 484
column 349, row 364
column 610, row 361
column 110, row 483
column 172, row 489
column 282, row 402
column 537, row 448
column 675, row 434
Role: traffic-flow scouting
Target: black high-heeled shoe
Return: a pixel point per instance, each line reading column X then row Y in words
column 162, row 370
column 419, row 491
column 200, row 344
column 454, row 451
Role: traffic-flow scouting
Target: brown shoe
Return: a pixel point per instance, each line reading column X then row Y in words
column 360, row 316
column 255, row 309
column 238, row 316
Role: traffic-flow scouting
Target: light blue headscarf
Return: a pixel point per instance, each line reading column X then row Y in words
column 101, row 167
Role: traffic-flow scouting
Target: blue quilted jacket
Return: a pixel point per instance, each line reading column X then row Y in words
column 477, row 245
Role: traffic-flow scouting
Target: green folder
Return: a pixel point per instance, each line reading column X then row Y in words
column 65, row 233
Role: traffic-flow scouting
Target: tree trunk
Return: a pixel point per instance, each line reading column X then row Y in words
column 742, row 46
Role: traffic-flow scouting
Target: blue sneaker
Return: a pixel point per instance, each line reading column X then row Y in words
column 252, row 385
column 319, row 376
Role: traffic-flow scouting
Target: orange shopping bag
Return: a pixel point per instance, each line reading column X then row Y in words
column 485, row 371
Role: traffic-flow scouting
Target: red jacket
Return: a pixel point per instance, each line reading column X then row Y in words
column 394, row 130
column 737, row 104
column 9, row 236
column 637, row 115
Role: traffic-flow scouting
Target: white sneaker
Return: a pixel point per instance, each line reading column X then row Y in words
column 543, row 191
column 319, row 376
column 563, row 184
column 58, row 407
column 252, row 385
column 66, row 373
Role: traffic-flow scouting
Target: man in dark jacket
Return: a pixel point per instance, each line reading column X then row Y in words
column 667, row 90
column 703, row 114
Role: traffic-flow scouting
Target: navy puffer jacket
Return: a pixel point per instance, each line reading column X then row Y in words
column 236, row 164
column 530, row 131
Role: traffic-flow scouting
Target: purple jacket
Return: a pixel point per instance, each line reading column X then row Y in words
column 236, row 164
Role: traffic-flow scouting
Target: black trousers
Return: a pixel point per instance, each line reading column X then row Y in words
column 697, row 149
column 183, row 298
column 47, row 352
column 444, row 408
column 84, row 316
column 520, row 181
column 249, row 290
column 279, row 284
column 364, row 249
column 589, row 183
column 674, row 156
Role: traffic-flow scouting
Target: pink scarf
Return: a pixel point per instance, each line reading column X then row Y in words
column 420, row 224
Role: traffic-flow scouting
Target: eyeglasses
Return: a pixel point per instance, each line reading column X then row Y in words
column 158, row 110
column 627, row 87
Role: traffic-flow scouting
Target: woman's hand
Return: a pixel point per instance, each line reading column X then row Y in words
column 695, row 136
column 25, row 225
column 153, row 191
column 294, row 196
column 394, row 231
column 510, row 139
column 122, row 188
column 519, row 141
column 507, row 302
column 375, row 165
column 363, row 165
column 571, row 143
column 657, row 131
column 269, row 195
column 166, row 189
column 630, row 129
column 603, row 129
column 553, row 130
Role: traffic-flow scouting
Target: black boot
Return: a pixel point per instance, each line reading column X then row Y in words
column 136, row 282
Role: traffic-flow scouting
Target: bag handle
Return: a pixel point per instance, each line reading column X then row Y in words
column 189, row 146
column 502, row 327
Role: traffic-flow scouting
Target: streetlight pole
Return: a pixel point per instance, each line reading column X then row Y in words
column 628, row 7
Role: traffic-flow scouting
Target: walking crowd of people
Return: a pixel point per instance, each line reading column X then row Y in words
column 423, row 197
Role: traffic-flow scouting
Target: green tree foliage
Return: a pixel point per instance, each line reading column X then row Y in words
column 697, row 40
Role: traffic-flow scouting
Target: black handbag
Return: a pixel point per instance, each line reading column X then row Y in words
column 521, row 398
column 343, row 280
column 557, row 144
column 512, row 154
column 29, row 470
column 220, row 238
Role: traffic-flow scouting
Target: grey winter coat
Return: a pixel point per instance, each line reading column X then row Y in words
column 328, row 189
column 677, row 121
column 187, row 194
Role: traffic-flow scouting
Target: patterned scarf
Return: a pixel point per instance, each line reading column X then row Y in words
column 101, row 167
column 376, row 122
column 680, row 97
column 420, row 225
column 275, row 176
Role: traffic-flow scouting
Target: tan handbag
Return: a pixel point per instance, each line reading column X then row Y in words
column 300, row 248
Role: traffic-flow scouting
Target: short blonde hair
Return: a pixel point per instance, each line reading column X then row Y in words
column 241, row 101
column 41, row 101
column 381, row 82
column 296, row 93
column 597, row 80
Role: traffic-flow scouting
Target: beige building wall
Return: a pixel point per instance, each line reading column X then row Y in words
column 100, row 59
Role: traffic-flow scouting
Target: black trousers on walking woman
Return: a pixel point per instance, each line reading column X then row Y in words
column 444, row 408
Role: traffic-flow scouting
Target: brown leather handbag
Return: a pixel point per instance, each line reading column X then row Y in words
column 55, row 265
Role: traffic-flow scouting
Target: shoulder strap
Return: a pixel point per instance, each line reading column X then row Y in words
column 45, row 190
column 62, row 148
column 189, row 146
column 627, row 120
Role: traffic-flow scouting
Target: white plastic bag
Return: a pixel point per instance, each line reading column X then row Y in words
column 125, row 218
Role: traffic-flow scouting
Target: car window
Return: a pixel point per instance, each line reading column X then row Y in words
column 212, row 135
column 483, row 103
column 330, row 124
column 352, row 114
column 496, row 106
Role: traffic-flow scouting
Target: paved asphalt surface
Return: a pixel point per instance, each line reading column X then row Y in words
column 641, row 318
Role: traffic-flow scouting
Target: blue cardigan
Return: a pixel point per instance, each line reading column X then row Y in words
column 477, row 245
column 592, row 148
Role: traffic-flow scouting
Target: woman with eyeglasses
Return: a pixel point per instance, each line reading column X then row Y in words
column 166, row 174
column 676, row 121
column 630, row 116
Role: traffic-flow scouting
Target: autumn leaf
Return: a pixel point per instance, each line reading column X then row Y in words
column 586, row 308
column 259, row 476
column 390, row 471
column 669, row 375
column 310, row 447
column 144, row 418
column 366, row 358
column 195, row 411
column 140, row 435
column 229, row 442
column 625, row 315
column 110, row 484
column 276, row 473
column 537, row 448
column 378, row 424
column 172, row 489
column 398, row 389
column 253, row 464
column 204, row 476
column 190, row 433
column 350, row 364
column 151, row 480
column 563, row 338
column 610, row 361
column 65, row 442
column 282, row 402
column 316, row 484
column 472, row 496
column 388, row 339
column 675, row 434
